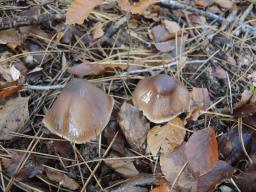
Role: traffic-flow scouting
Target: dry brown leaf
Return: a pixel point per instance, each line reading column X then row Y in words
column 14, row 114
column 166, row 138
column 246, row 180
column 165, row 46
column 246, row 107
column 200, row 100
column 172, row 27
column 89, row 69
column 137, row 183
column 204, row 3
column 230, row 146
column 134, row 126
column 171, row 166
column 200, row 96
column 109, row 133
column 97, row 31
column 34, row 30
column 136, row 8
column 202, row 151
column 62, row 179
column 123, row 166
column 31, row 168
column 79, row 10
column 159, row 33
column 228, row 4
column 209, row 181
column 10, row 37
column 197, row 19
column 163, row 187
column 218, row 72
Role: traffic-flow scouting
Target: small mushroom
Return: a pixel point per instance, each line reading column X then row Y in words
column 80, row 112
column 160, row 98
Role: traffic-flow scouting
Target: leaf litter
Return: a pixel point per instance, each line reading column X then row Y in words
column 204, row 45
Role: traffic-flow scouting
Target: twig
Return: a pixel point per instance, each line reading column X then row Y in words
column 171, row 3
column 26, row 21
column 43, row 87
column 124, row 74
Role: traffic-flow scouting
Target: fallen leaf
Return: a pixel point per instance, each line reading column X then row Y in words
column 228, row 4
column 210, row 180
column 197, row 19
column 14, row 114
column 31, row 168
column 136, row 7
column 160, row 33
column 137, row 183
column 216, row 10
column 171, row 166
column 164, row 40
column 134, row 126
column 62, row 148
column 11, row 37
column 34, row 30
column 246, row 180
column 164, row 187
column 79, row 10
column 230, row 146
column 219, row 72
column 200, row 100
column 97, row 31
column 202, row 151
column 166, row 138
column 8, row 92
column 204, row 3
column 109, row 133
column 246, row 106
column 86, row 69
column 200, row 97
column 165, row 46
column 62, row 179
column 125, row 167
column 172, row 27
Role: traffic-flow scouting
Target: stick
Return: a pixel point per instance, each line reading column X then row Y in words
column 173, row 4
column 26, row 21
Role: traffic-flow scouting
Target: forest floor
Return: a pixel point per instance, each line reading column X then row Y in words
column 207, row 46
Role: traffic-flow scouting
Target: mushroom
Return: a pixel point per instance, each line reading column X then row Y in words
column 160, row 98
column 80, row 112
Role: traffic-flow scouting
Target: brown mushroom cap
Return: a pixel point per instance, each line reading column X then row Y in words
column 160, row 98
column 80, row 112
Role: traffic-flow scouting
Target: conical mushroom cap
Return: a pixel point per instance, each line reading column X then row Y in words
column 160, row 98
column 80, row 112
